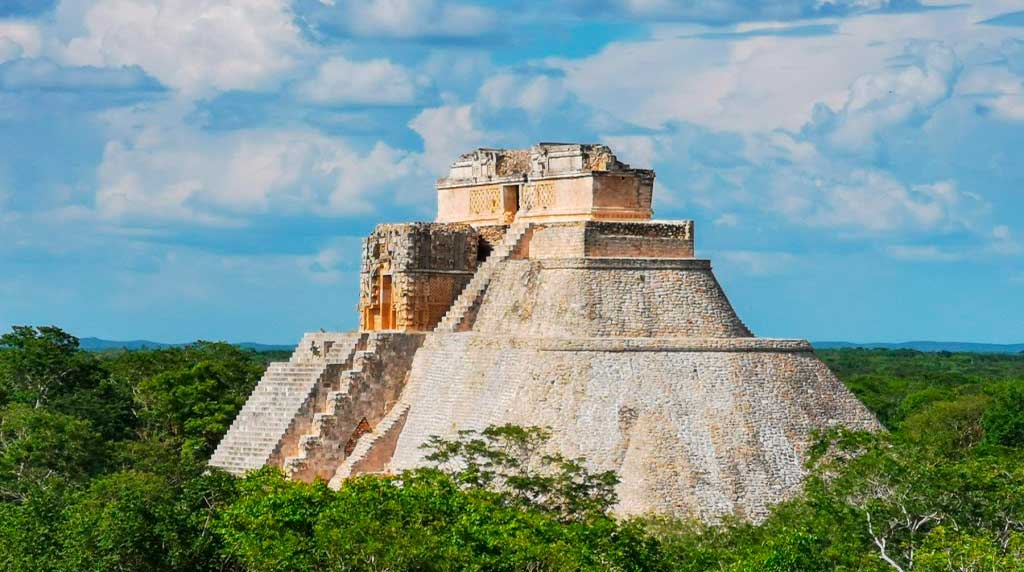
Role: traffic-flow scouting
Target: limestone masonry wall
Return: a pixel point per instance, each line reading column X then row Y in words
column 411, row 273
column 347, row 405
column 702, row 434
column 620, row 298
column 603, row 239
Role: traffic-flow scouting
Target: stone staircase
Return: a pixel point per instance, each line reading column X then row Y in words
column 353, row 400
column 369, row 454
column 453, row 320
column 285, row 388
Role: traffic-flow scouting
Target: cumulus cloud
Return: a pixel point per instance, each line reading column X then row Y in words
column 758, row 262
column 742, row 84
column 178, row 174
column 340, row 81
column 196, row 47
column 19, row 39
column 997, row 89
column 33, row 74
column 334, row 262
column 533, row 94
column 431, row 19
column 919, row 253
column 718, row 12
column 905, row 92
column 873, row 201
column 727, row 220
column 1004, row 242
column 447, row 131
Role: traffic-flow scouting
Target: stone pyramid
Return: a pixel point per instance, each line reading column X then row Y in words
column 545, row 295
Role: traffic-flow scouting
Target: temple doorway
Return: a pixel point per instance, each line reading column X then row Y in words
column 387, row 305
column 510, row 202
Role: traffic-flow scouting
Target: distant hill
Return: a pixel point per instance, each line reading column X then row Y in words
column 929, row 346
column 97, row 345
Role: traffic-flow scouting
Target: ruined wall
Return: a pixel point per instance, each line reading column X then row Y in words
column 620, row 196
column 555, row 240
column 550, row 181
column 578, row 297
column 411, row 273
column 346, row 405
column 603, row 239
column 490, row 236
column 692, row 430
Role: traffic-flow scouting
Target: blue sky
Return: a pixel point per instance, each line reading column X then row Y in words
column 182, row 169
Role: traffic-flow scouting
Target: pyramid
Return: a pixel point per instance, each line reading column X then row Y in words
column 545, row 295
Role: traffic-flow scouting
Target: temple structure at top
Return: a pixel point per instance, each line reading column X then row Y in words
column 548, row 182
column 553, row 200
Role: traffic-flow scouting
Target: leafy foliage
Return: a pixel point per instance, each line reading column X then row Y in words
column 510, row 459
column 103, row 467
column 40, row 448
column 1004, row 421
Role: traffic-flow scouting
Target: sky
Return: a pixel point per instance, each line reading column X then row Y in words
column 205, row 169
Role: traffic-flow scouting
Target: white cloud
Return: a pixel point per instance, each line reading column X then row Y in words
column 727, row 220
column 335, row 262
column 927, row 253
column 373, row 82
column 757, row 82
column 637, row 150
column 19, row 39
column 906, row 91
column 1004, row 243
column 997, row 88
column 725, row 11
column 415, row 18
column 447, row 132
column 171, row 172
column 32, row 74
column 872, row 201
column 758, row 263
column 196, row 47
column 741, row 84
column 534, row 94
column 777, row 173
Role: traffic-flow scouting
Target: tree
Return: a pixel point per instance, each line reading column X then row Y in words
column 123, row 521
column 511, row 460
column 1003, row 422
column 269, row 528
column 38, row 363
column 32, row 530
column 39, row 449
column 196, row 404
column 947, row 427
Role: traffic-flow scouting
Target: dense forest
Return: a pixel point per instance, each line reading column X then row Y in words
column 103, row 468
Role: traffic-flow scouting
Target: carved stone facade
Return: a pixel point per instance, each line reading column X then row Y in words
column 546, row 296
column 411, row 274
column 548, row 182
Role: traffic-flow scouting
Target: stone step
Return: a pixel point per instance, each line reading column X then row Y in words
column 269, row 412
column 469, row 296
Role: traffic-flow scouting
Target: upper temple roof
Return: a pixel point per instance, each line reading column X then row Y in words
column 541, row 160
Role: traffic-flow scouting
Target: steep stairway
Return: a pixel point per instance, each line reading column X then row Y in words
column 454, row 319
column 349, row 405
column 256, row 433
